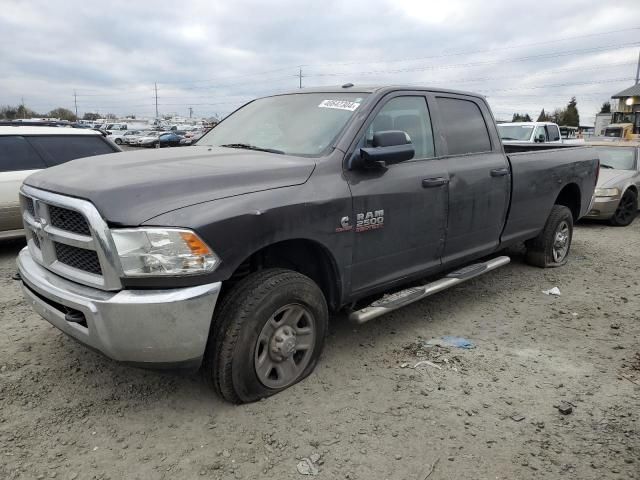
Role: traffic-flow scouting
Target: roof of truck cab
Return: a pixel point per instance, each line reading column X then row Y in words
column 30, row 130
column 376, row 89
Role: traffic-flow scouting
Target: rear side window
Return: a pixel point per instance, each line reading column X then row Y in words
column 16, row 154
column 463, row 125
column 63, row 148
column 553, row 133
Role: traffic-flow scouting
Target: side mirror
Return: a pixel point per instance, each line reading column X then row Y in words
column 389, row 147
column 540, row 138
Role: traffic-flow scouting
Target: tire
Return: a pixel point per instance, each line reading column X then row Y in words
column 118, row 141
column 551, row 247
column 626, row 211
column 252, row 329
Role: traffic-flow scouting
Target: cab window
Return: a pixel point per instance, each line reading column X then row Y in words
column 410, row 115
column 540, row 133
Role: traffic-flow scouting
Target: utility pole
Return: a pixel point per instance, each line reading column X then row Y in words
column 638, row 70
column 75, row 102
column 300, row 76
column 190, row 112
column 156, row 88
column 24, row 113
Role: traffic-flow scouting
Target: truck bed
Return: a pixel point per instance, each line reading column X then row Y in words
column 539, row 174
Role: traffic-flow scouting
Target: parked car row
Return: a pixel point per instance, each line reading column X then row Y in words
column 155, row 138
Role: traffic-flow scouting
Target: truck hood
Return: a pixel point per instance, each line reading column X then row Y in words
column 611, row 177
column 129, row 188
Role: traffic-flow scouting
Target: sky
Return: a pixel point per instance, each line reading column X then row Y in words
column 213, row 56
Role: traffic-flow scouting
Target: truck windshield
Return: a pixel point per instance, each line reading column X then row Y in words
column 304, row 124
column 515, row 132
column 620, row 158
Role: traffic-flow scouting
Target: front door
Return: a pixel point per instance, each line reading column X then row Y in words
column 399, row 212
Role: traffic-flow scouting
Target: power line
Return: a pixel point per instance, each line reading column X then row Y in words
column 474, row 52
column 487, row 62
column 443, row 55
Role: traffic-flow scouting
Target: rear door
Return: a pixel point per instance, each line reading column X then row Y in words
column 399, row 212
column 479, row 177
column 18, row 160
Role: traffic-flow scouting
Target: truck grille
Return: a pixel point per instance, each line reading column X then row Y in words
column 68, row 220
column 67, row 236
column 28, row 202
column 79, row 258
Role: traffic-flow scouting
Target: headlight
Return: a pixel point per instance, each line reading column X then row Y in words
column 607, row 192
column 162, row 251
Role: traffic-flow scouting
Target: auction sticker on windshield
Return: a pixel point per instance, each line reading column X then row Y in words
column 339, row 104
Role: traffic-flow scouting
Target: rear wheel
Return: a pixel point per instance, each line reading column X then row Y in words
column 627, row 209
column 267, row 335
column 118, row 141
column 551, row 247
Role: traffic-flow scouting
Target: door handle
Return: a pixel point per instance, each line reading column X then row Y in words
column 499, row 172
column 434, row 182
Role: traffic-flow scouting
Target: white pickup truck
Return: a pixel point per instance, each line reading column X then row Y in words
column 529, row 132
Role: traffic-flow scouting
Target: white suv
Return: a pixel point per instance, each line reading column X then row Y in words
column 27, row 149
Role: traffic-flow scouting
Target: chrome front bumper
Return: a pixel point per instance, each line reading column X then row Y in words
column 603, row 207
column 147, row 327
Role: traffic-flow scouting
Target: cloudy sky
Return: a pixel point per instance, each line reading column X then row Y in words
column 214, row 55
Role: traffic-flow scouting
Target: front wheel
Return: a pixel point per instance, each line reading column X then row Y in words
column 118, row 141
column 267, row 335
column 551, row 247
column 626, row 211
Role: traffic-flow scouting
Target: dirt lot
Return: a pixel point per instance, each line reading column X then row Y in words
column 487, row 412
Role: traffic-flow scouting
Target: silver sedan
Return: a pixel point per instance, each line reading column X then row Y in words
column 616, row 194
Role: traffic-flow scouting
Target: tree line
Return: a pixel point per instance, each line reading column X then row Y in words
column 8, row 112
column 568, row 115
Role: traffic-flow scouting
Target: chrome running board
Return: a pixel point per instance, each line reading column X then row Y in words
column 392, row 302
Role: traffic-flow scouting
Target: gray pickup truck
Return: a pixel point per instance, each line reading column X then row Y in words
column 229, row 255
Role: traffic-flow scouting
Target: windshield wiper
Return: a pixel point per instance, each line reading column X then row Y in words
column 604, row 165
column 508, row 138
column 246, row 146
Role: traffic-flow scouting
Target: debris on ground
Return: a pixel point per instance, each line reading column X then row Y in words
column 451, row 341
column 516, row 417
column 307, row 466
column 433, row 467
column 565, row 408
column 555, row 291
column 427, row 362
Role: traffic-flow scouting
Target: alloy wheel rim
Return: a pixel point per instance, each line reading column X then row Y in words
column 561, row 242
column 625, row 209
column 285, row 346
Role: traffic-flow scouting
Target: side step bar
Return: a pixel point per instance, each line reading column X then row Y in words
column 404, row 297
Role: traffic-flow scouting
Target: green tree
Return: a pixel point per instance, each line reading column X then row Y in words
column 557, row 116
column 543, row 117
column 571, row 117
column 92, row 117
column 606, row 107
column 62, row 114
column 518, row 117
column 8, row 112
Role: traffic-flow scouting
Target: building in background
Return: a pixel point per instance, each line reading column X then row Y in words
column 627, row 107
column 602, row 121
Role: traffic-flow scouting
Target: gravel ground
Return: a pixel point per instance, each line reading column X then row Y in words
column 366, row 413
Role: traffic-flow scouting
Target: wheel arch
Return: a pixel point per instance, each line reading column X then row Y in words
column 303, row 255
column 570, row 197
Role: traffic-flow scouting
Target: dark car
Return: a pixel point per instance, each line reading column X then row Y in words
column 169, row 139
column 229, row 255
